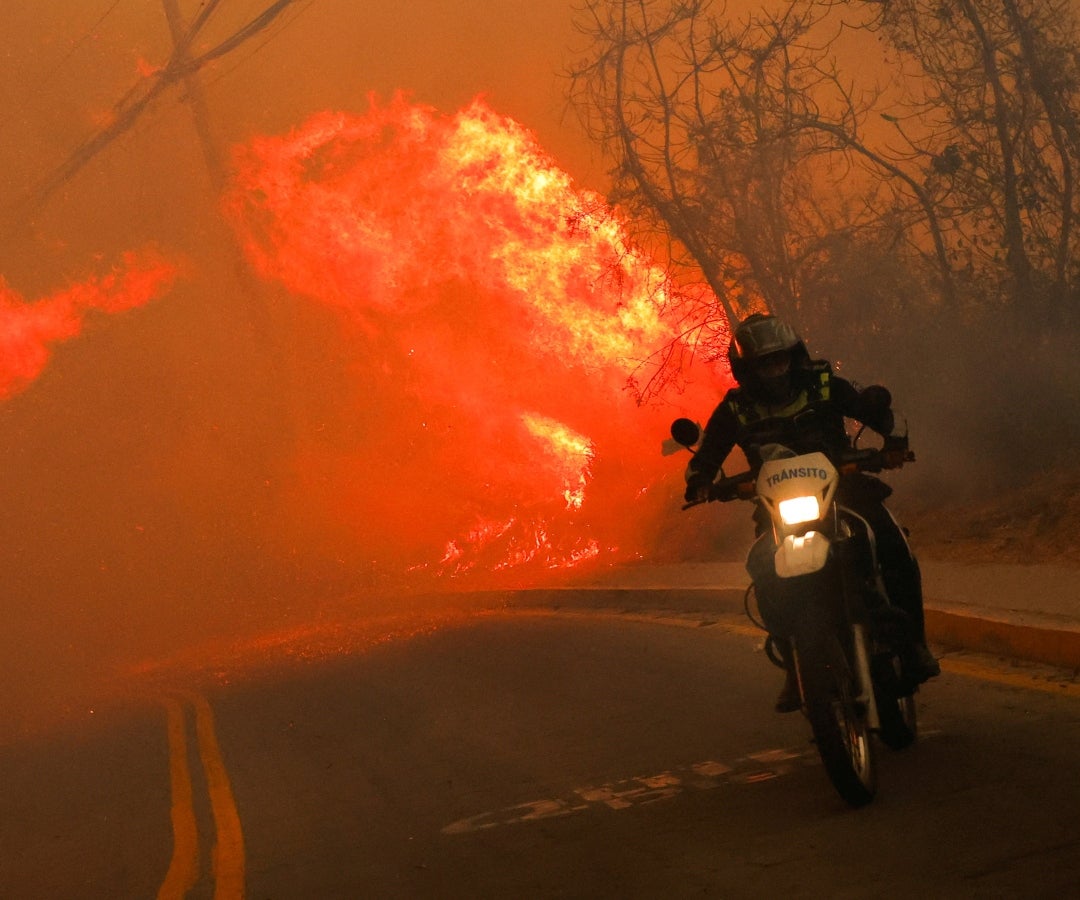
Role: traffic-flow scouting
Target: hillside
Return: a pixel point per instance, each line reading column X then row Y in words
column 1033, row 523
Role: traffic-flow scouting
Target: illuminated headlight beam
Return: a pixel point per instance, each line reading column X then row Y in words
column 798, row 510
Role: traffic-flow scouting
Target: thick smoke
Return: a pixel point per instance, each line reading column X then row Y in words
column 429, row 384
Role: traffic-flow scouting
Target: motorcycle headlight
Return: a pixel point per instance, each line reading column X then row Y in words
column 798, row 510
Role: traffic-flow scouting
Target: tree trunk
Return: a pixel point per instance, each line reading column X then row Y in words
column 1015, row 255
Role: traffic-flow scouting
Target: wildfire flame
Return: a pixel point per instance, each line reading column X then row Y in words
column 498, row 311
column 29, row 329
column 572, row 453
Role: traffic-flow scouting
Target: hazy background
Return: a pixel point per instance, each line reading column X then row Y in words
column 159, row 482
column 231, row 457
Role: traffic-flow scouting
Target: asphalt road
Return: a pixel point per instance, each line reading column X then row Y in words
column 533, row 754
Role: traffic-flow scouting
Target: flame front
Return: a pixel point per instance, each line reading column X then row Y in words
column 570, row 452
column 495, row 315
column 29, row 329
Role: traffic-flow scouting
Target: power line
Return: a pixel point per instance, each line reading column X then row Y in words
column 272, row 35
column 82, row 40
column 143, row 94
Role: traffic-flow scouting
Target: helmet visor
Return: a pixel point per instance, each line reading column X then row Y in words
column 772, row 365
column 763, row 337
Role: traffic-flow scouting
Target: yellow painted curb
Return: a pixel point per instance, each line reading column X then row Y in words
column 1052, row 646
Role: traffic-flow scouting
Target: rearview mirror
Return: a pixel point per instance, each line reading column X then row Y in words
column 685, row 432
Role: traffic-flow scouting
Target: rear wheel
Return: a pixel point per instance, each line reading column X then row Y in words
column 899, row 724
column 838, row 721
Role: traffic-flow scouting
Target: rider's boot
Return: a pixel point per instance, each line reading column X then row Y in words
column 906, row 592
column 920, row 664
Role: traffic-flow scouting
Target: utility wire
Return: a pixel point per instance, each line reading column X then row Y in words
column 82, row 40
column 272, row 35
column 143, row 93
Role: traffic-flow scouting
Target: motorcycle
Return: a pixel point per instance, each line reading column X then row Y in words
column 830, row 614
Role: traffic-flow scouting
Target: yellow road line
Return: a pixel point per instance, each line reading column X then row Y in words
column 227, row 855
column 184, row 865
column 971, row 668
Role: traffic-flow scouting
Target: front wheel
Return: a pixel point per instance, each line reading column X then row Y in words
column 838, row 720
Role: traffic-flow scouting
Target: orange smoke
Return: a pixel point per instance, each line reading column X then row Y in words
column 28, row 330
column 497, row 315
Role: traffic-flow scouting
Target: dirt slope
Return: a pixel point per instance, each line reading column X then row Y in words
column 1035, row 523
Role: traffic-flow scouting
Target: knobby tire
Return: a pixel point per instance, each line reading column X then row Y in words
column 841, row 733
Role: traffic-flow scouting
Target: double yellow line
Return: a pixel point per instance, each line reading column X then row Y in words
column 227, row 853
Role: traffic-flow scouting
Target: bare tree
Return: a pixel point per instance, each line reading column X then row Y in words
column 995, row 88
column 742, row 143
column 748, row 150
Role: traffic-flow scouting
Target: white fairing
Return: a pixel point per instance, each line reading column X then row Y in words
column 801, row 554
column 802, row 550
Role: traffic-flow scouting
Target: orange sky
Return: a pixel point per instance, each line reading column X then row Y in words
column 66, row 62
column 63, row 74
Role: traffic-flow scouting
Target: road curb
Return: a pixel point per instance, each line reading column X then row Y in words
column 984, row 634
column 948, row 628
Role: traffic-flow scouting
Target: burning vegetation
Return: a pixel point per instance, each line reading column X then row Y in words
column 496, row 316
column 29, row 329
column 434, row 383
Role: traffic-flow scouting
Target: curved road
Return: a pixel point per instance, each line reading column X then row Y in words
column 542, row 754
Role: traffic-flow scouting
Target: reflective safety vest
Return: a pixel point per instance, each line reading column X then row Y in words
column 794, row 424
column 748, row 412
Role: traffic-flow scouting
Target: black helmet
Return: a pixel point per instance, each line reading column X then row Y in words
column 759, row 336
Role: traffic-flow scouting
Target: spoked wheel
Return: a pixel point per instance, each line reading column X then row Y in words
column 839, row 723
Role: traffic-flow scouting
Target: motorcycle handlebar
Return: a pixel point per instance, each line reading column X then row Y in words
column 743, row 486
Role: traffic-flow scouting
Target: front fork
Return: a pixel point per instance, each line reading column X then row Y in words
column 864, row 684
column 853, row 587
column 862, row 674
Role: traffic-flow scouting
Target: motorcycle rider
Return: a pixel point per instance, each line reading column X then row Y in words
column 785, row 398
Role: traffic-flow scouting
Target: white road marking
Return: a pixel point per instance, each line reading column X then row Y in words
column 644, row 789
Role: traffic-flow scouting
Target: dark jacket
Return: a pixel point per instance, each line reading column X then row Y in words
column 812, row 421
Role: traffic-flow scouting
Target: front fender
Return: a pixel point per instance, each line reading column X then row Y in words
column 802, row 554
column 801, row 603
